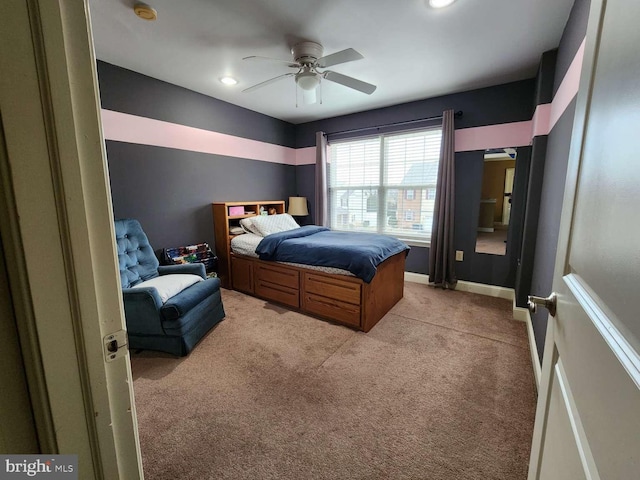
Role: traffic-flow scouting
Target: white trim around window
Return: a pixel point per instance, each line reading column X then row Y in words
column 382, row 184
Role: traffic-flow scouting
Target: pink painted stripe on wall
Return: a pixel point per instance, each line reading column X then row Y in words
column 568, row 87
column 515, row 134
column 306, row 156
column 540, row 122
column 123, row 127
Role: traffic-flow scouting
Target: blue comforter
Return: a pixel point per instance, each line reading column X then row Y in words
column 359, row 253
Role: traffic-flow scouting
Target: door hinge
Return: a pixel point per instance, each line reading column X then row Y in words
column 115, row 345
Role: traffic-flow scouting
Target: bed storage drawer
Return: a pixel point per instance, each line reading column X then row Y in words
column 277, row 293
column 278, row 275
column 332, row 288
column 330, row 308
column 277, row 283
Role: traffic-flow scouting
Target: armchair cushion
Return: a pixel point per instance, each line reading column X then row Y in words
column 183, row 302
column 169, row 285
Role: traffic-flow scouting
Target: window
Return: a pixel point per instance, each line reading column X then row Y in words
column 372, row 202
column 429, row 194
column 389, row 181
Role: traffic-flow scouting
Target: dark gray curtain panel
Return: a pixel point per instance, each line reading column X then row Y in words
column 441, row 253
column 321, row 180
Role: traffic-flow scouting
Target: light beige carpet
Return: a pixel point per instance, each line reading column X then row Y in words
column 441, row 388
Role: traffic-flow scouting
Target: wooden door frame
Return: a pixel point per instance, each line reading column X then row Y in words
column 58, row 233
column 583, row 102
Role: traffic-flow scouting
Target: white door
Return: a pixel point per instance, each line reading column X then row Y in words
column 509, row 175
column 588, row 415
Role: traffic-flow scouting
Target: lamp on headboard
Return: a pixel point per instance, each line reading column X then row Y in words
column 298, row 207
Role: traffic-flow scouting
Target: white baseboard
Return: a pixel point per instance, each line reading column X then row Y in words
column 488, row 290
column 464, row 286
column 416, row 278
column 519, row 313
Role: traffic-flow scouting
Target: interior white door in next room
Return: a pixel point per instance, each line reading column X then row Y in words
column 510, row 174
column 588, row 415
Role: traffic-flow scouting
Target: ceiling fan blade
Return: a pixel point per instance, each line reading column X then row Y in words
column 267, row 82
column 269, row 59
column 343, row 56
column 350, row 82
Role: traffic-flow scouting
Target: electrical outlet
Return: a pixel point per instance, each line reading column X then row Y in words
column 459, row 255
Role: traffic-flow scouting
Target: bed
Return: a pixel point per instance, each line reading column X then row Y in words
column 353, row 298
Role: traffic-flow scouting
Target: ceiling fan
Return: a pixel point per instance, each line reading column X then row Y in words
column 308, row 59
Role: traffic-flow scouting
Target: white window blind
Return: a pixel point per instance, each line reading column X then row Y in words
column 385, row 184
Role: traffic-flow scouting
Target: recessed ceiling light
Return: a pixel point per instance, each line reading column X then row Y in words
column 229, row 80
column 440, row 3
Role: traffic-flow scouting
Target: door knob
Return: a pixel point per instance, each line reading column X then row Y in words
column 549, row 303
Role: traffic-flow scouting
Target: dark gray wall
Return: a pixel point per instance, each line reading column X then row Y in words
column 555, row 170
column 510, row 102
column 545, row 79
column 573, row 35
column 530, row 224
column 125, row 91
column 544, row 95
column 170, row 191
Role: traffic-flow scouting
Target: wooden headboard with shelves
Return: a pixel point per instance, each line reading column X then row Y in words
column 224, row 217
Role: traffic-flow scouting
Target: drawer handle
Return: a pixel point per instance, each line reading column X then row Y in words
column 346, row 287
column 275, row 287
column 280, row 272
column 353, row 310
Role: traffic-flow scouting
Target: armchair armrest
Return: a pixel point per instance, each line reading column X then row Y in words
column 192, row 268
column 142, row 310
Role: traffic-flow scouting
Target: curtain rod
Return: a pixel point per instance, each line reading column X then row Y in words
column 408, row 122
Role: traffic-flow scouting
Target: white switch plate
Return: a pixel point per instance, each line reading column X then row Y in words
column 459, row 255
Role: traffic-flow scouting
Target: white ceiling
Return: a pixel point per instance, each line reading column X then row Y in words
column 411, row 51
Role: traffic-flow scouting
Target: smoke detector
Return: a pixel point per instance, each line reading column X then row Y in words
column 145, row 12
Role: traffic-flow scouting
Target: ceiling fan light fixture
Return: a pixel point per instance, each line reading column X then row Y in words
column 308, row 80
column 440, row 3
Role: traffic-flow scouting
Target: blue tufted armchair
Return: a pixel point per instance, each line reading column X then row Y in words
column 167, row 308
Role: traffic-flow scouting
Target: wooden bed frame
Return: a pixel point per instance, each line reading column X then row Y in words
column 340, row 298
column 343, row 299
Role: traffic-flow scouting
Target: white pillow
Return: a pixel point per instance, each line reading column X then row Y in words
column 268, row 224
column 170, row 285
column 247, row 225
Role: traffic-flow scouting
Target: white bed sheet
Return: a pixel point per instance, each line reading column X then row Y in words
column 247, row 243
